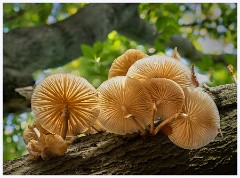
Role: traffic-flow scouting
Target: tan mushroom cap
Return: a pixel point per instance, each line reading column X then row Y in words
column 59, row 91
column 125, row 105
column 167, row 95
column 121, row 64
column 47, row 146
column 202, row 123
column 160, row 66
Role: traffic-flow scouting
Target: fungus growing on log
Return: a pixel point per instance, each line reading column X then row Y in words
column 121, row 64
column 167, row 97
column 125, row 105
column 46, row 146
column 160, row 66
column 65, row 104
column 199, row 124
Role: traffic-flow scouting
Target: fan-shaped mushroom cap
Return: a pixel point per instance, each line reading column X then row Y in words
column 47, row 146
column 160, row 66
column 121, row 64
column 60, row 92
column 167, row 95
column 201, row 123
column 124, row 105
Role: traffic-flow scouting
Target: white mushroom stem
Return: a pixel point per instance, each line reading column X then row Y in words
column 33, row 127
column 141, row 129
column 166, row 121
column 152, row 120
column 36, row 132
column 127, row 115
column 65, row 116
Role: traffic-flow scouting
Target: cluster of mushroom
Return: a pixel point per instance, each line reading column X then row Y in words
column 140, row 92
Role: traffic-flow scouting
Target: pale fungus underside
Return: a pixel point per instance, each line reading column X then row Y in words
column 125, row 105
column 167, row 96
column 65, row 103
column 140, row 89
column 200, row 125
column 161, row 66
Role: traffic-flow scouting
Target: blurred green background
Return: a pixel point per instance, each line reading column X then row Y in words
column 202, row 24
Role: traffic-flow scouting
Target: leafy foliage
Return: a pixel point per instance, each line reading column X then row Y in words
column 200, row 23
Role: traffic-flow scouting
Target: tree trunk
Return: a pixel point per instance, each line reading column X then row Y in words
column 132, row 154
column 29, row 49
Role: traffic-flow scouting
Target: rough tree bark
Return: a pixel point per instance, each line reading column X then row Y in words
column 133, row 154
column 29, row 49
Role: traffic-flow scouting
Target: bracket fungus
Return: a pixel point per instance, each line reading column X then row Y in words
column 125, row 105
column 121, row 64
column 199, row 124
column 65, row 104
column 160, row 66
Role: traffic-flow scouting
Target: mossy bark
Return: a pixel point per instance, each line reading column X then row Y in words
column 150, row 155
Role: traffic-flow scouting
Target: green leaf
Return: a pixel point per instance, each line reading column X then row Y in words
column 87, row 51
column 98, row 47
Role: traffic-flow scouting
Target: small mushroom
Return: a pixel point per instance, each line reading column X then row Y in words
column 125, row 106
column 65, row 104
column 200, row 122
column 46, row 146
column 167, row 96
column 121, row 64
column 161, row 66
column 175, row 54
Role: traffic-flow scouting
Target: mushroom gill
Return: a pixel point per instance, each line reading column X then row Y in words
column 167, row 96
column 121, row 64
column 160, row 66
column 199, row 125
column 65, row 104
column 125, row 105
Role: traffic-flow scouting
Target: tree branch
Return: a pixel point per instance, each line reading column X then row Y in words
column 133, row 154
column 29, row 49
column 186, row 48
